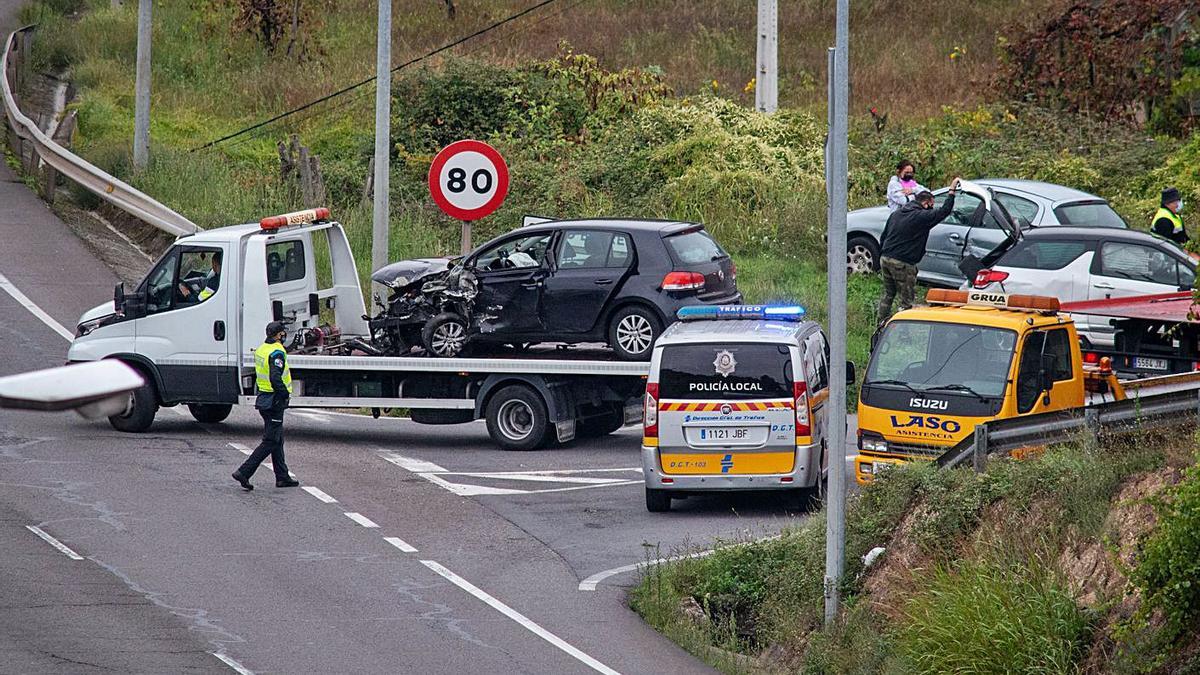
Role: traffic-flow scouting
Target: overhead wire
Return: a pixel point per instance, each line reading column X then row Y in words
column 366, row 81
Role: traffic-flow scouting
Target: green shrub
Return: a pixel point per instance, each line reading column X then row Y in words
column 987, row 616
column 1168, row 569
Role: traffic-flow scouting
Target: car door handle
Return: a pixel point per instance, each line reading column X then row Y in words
column 955, row 236
column 602, row 282
column 1104, row 285
column 218, row 330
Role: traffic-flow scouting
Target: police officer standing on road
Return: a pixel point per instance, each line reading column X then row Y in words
column 274, row 391
column 903, row 246
column 1167, row 222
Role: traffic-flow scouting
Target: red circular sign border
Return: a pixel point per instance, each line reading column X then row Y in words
column 435, row 172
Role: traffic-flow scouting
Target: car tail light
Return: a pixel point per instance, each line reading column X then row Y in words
column 986, row 277
column 650, row 411
column 803, row 424
column 1091, row 357
column 683, row 281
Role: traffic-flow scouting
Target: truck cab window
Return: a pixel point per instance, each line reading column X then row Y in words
column 199, row 275
column 285, row 262
column 1051, row 343
column 159, row 283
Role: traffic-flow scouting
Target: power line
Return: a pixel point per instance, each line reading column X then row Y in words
column 361, row 83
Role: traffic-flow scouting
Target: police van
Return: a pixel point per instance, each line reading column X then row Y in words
column 735, row 400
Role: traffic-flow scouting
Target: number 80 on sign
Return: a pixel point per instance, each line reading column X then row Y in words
column 468, row 179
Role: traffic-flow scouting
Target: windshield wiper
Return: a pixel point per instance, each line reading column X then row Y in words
column 895, row 382
column 958, row 387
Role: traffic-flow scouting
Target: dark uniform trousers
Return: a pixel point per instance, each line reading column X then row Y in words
column 272, row 438
column 899, row 278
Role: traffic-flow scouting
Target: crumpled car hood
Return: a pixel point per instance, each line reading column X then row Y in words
column 406, row 272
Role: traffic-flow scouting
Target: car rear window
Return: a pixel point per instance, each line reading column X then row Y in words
column 1089, row 214
column 694, row 247
column 1043, row 255
column 725, row 372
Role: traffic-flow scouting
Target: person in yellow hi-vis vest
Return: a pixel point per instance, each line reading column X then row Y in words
column 1167, row 222
column 274, row 390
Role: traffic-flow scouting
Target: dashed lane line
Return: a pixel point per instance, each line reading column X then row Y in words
column 245, row 450
column 237, row 667
column 361, row 519
column 62, row 548
column 25, row 302
column 401, row 544
column 319, row 494
column 521, row 619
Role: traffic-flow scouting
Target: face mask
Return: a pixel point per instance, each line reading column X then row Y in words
column 907, row 176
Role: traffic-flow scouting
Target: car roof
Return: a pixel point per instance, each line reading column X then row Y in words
column 979, row 315
column 632, row 224
column 1070, row 232
column 1049, row 191
column 736, row 330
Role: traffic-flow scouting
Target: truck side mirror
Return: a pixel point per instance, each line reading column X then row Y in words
column 1046, row 375
column 119, row 296
column 314, row 305
column 851, row 376
column 277, row 310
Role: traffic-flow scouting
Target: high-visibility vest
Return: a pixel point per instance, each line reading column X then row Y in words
column 262, row 366
column 1164, row 212
column 206, row 293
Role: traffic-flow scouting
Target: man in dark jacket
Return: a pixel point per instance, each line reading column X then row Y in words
column 903, row 246
column 274, row 380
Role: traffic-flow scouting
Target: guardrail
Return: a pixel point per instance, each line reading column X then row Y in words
column 91, row 177
column 1001, row 437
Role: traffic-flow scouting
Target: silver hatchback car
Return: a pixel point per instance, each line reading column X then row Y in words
column 1031, row 203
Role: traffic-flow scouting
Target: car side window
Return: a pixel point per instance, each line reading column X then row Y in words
column 620, row 254
column 964, row 206
column 1018, row 207
column 584, row 249
column 1140, row 263
column 1187, row 276
column 1044, row 255
column 518, row 253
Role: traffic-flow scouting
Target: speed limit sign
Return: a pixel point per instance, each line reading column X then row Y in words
column 468, row 179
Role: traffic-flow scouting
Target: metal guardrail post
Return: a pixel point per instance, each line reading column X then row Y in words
column 979, row 456
column 1091, row 418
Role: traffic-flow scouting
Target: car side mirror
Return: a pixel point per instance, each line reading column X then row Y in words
column 851, row 376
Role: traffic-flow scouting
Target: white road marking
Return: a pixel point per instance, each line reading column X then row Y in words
column 245, row 450
column 62, row 548
column 237, row 667
column 315, row 417
column 541, row 478
column 179, row 411
column 589, row 584
column 411, row 464
column 25, row 302
column 519, row 618
column 400, row 544
column 361, row 519
column 468, row 490
column 319, row 494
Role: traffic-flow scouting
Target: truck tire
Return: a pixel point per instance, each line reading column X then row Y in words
column 658, row 501
column 141, row 412
column 445, row 335
column 862, row 255
column 632, row 332
column 602, row 425
column 210, row 413
column 517, row 418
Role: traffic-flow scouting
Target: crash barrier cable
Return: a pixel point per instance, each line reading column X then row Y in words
column 94, row 179
column 362, row 83
column 1001, row 437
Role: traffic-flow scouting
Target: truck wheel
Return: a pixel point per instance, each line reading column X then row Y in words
column 517, row 418
column 210, row 413
column 602, row 425
column 445, row 335
column 658, row 501
column 862, row 255
column 141, row 412
column 632, row 332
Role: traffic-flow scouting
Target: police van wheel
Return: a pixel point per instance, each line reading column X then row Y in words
column 517, row 418
column 140, row 414
column 210, row 413
column 658, row 501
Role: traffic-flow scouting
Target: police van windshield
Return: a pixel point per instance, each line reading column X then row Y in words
column 945, row 357
column 725, row 372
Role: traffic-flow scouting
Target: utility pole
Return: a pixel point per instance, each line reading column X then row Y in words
column 766, row 78
column 381, row 220
column 141, row 96
column 837, row 185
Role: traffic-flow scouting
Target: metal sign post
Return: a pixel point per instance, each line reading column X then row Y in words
column 836, row 174
column 381, row 206
column 766, row 77
column 141, row 95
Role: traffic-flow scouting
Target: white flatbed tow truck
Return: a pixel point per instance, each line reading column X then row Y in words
column 190, row 328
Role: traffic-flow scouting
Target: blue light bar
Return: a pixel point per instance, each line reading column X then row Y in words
column 766, row 312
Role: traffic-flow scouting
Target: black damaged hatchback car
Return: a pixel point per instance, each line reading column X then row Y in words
column 605, row 280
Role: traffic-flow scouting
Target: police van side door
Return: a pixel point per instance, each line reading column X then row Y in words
column 185, row 331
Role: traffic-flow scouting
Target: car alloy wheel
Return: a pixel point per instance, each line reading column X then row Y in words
column 860, row 260
column 448, row 339
column 515, row 419
column 635, row 334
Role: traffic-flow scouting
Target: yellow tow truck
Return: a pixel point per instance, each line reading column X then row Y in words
column 970, row 357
